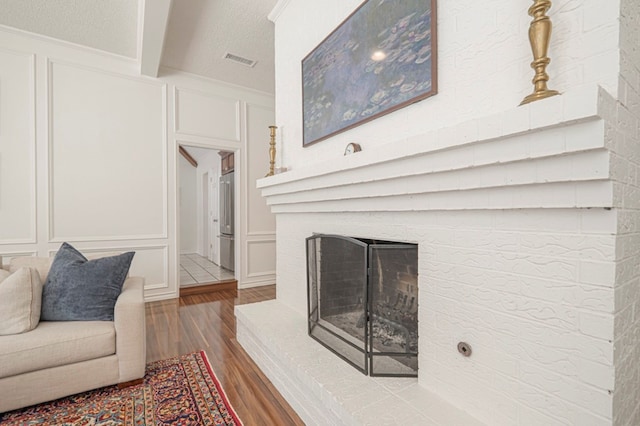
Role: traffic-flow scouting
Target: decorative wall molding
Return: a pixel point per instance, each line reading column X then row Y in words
column 65, row 44
column 33, row 228
column 249, row 207
column 10, row 254
column 259, row 234
column 137, row 248
column 186, row 132
column 207, row 142
column 94, row 239
column 50, row 63
column 271, row 273
column 48, row 55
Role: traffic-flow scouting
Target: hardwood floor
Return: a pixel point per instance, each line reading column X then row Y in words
column 207, row 321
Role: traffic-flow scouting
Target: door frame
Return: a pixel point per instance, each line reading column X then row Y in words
column 176, row 208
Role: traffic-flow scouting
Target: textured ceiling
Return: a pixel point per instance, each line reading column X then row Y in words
column 106, row 25
column 200, row 32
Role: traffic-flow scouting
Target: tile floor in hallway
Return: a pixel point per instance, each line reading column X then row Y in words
column 195, row 269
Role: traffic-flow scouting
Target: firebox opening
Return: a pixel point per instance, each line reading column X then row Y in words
column 363, row 302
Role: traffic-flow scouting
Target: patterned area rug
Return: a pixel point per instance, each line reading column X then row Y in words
column 178, row 391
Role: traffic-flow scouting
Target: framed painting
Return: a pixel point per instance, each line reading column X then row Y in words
column 380, row 59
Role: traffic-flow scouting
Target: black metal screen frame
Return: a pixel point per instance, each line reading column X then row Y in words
column 367, row 350
column 312, row 324
column 371, row 352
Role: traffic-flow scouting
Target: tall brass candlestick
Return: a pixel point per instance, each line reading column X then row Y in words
column 539, row 35
column 272, row 151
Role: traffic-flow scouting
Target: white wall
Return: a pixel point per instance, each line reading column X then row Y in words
column 245, row 124
column 89, row 152
column 17, row 145
column 188, row 204
column 624, row 139
column 483, row 56
column 260, row 241
column 520, row 260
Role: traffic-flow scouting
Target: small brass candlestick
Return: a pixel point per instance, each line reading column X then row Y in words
column 539, row 35
column 272, row 151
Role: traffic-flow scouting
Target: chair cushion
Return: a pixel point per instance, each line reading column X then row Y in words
column 20, row 300
column 78, row 289
column 52, row 344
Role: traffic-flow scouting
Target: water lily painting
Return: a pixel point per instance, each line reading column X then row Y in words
column 380, row 59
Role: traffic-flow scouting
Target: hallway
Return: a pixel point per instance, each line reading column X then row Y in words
column 197, row 270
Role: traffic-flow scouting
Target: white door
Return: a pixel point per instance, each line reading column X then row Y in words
column 206, row 233
column 214, row 223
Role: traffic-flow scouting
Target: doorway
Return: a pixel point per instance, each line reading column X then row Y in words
column 199, row 171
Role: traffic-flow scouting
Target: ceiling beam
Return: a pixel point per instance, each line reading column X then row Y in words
column 153, row 26
column 188, row 156
column 277, row 10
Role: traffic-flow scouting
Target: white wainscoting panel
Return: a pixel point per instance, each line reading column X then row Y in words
column 107, row 155
column 17, row 148
column 6, row 257
column 261, row 258
column 150, row 262
column 146, row 264
column 207, row 115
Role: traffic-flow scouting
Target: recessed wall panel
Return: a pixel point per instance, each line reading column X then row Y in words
column 107, row 153
column 17, row 148
column 262, row 258
column 203, row 114
column 152, row 264
column 260, row 220
column 149, row 262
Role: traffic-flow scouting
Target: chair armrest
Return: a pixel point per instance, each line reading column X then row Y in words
column 129, row 321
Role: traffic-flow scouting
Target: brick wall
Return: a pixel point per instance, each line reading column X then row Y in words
column 518, row 286
column 623, row 137
column 526, row 218
column 483, row 58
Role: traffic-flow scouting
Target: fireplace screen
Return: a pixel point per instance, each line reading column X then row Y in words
column 363, row 302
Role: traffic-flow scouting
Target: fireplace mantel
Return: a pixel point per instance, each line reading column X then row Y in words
column 549, row 154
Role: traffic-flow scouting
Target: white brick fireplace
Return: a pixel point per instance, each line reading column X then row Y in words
column 528, row 231
column 516, row 233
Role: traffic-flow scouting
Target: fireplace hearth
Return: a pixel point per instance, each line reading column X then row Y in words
column 363, row 302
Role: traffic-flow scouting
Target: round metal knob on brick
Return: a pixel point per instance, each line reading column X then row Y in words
column 464, row 348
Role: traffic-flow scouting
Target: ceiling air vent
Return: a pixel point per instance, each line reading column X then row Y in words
column 239, row 59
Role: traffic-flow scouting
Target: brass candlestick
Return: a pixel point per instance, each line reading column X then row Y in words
column 539, row 35
column 272, row 151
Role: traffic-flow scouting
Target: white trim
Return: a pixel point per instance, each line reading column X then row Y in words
column 176, row 118
column 164, row 123
column 33, row 181
column 17, row 253
column 270, row 274
column 138, row 247
column 94, row 239
column 262, row 234
column 277, row 10
column 165, row 72
column 65, row 43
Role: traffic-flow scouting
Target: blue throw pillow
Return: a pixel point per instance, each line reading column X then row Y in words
column 78, row 289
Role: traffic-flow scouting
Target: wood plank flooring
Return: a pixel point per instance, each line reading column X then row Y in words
column 207, row 322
